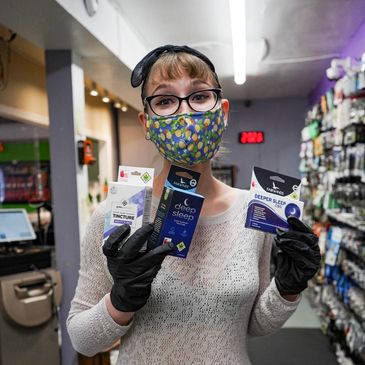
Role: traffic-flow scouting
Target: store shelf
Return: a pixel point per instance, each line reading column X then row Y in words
column 350, row 310
column 333, row 165
column 352, row 253
column 346, row 218
column 337, row 327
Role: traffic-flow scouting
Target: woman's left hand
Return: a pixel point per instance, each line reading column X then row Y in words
column 298, row 258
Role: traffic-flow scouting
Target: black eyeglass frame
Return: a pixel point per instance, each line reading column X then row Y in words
column 217, row 91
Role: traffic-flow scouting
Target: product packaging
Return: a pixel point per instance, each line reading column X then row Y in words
column 178, row 211
column 129, row 199
column 272, row 199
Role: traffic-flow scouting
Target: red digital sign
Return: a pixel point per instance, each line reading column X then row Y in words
column 251, row 137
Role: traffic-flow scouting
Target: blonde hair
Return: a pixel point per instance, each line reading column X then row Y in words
column 173, row 65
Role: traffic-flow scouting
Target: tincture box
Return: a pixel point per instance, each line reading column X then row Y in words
column 178, row 211
column 272, row 198
column 129, row 199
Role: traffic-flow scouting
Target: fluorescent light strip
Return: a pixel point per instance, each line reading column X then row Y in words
column 238, row 26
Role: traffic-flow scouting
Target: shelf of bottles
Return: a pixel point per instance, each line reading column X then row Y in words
column 333, row 171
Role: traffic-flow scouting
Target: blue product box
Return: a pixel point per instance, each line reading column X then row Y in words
column 178, row 211
column 272, row 199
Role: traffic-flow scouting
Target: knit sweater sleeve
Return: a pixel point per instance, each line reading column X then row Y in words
column 89, row 324
column 270, row 310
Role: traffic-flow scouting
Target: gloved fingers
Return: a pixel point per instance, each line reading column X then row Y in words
column 297, row 225
column 304, row 268
column 295, row 272
column 290, row 287
column 298, row 250
column 306, row 238
column 155, row 256
column 141, row 297
column 291, row 245
column 310, row 238
column 138, row 292
column 136, row 302
column 291, row 276
column 145, row 278
column 130, row 249
column 283, row 263
column 150, row 245
column 286, row 277
column 112, row 244
column 138, row 289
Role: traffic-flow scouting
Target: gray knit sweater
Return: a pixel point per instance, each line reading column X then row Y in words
column 201, row 309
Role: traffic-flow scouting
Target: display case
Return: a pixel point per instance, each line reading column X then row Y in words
column 26, row 182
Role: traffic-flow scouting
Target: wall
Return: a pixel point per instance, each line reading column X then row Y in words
column 25, row 96
column 354, row 49
column 99, row 125
column 281, row 120
column 135, row 149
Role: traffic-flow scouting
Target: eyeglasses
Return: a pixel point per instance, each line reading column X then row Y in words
column 199, row 101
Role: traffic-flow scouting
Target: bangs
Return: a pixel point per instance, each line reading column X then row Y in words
column 172, row 66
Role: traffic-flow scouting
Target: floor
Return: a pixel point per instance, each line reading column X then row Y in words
column 299, row 342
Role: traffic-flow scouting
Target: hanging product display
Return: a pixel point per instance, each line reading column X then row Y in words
column 333, row 170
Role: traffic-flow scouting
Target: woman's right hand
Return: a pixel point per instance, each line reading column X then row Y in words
column 132, row 271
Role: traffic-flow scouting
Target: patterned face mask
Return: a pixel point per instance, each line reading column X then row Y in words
column 189, row 138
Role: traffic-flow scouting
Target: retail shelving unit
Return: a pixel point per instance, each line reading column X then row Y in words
column 333, row 171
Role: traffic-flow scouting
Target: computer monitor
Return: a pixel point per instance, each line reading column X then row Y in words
column 15, row 226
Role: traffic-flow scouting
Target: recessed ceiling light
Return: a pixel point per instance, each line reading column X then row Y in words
column 106, row 98
column 94, row 91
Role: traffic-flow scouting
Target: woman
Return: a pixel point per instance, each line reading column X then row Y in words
column 199, row 310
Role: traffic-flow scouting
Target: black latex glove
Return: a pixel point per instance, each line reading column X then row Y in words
column 298, row 258
column 132, row 271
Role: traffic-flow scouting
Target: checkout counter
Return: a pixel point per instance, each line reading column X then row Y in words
column 30, row 293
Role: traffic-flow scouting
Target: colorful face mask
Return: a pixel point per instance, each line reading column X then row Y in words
column 189, row 138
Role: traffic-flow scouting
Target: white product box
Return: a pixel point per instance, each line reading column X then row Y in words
column 129, row 199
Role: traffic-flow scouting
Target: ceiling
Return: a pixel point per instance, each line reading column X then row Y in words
column 6, row 121
column 302, row 36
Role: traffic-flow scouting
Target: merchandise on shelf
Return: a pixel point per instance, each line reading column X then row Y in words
column 333, row 170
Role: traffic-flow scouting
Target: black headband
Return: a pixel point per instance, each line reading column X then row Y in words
column 141, row 71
